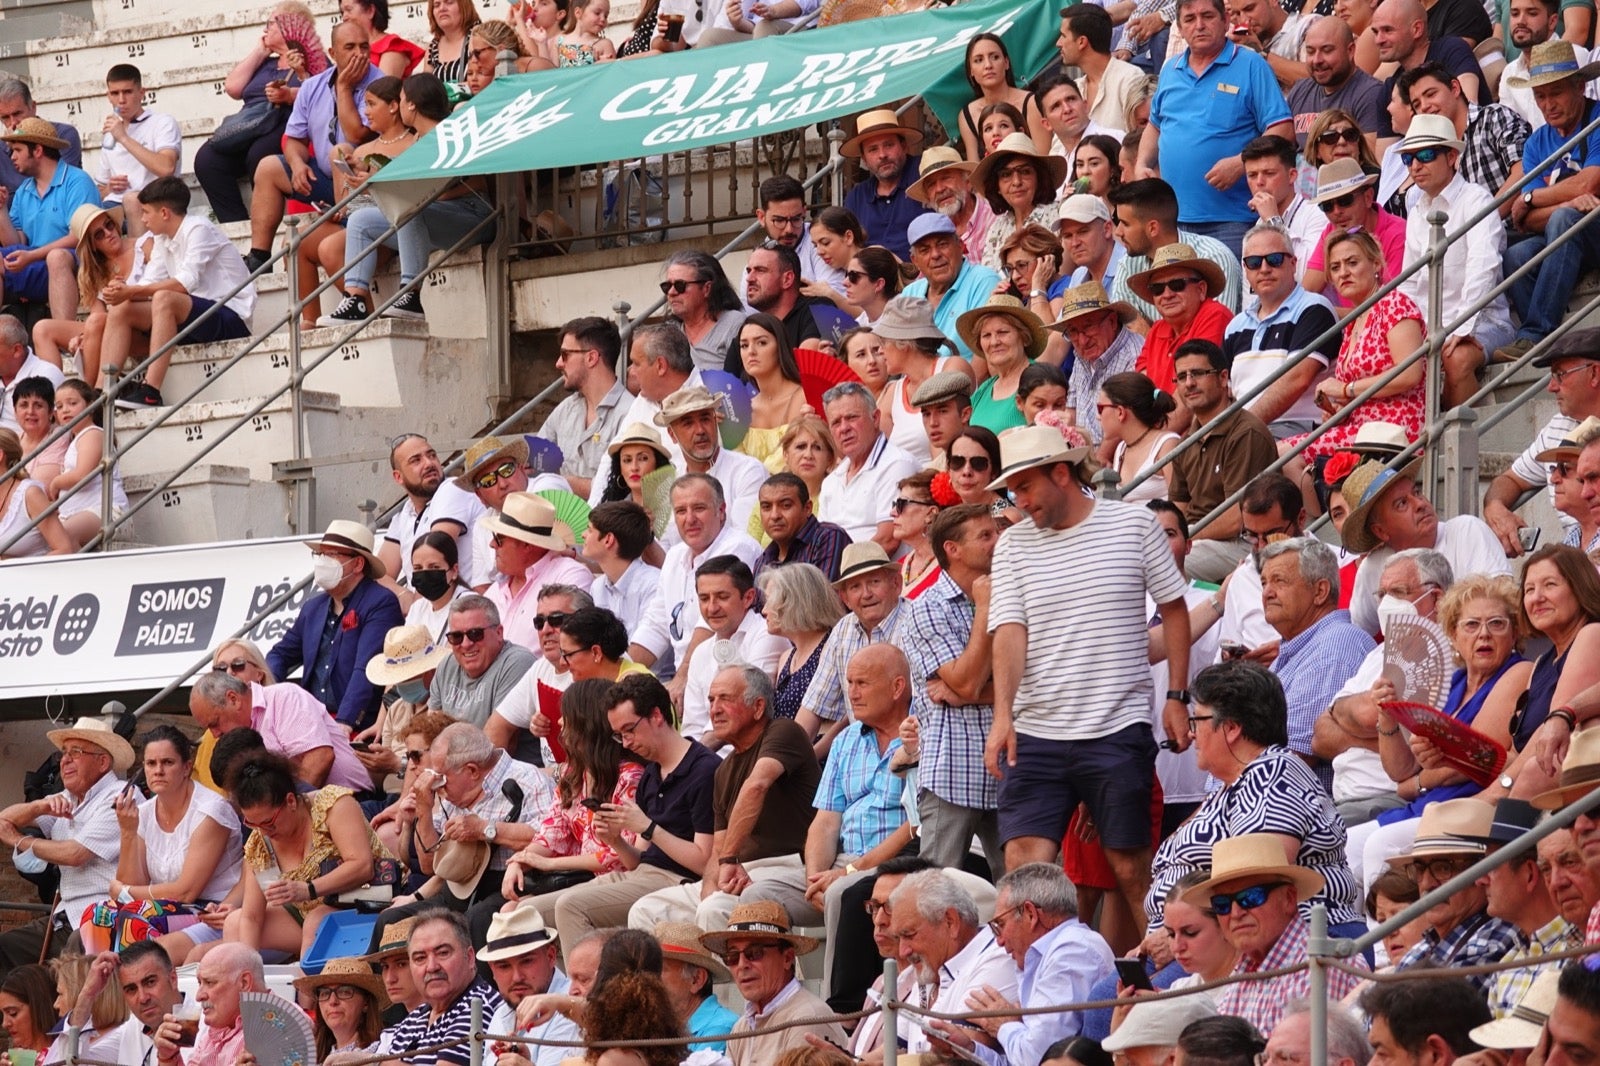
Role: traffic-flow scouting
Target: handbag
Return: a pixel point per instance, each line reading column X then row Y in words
column 387, row 875
column 236, row 132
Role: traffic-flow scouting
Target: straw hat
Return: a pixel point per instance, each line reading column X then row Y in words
column 1086, row 299
column 639, row 433
column 349, row 536
column 1431, row 131
column 489, row 452
column 1551, row 62
column 97, row 732
column 1018, row 146
column 933, row 161
column 1378, row 439
column 1339, row 177
column 355, row 972
column 515, row 932
column 1361, row 490
column 862, row 557
column 1512, row 818
column 1572, row 444
column 1523, row 1027
column 38, row 131
column 1253, row 857
column 530, row 518
column 408, row 651
column 1033, row 332
column 681, row 941
column 461, row 864
column 872, row 124
column 1025, row 447
column 945, row 385
column 1178, row 255
column 687, row 401
column 1580, row 772
column 396, row 940
column 762, row 920
column 1450, row 827
column 908, row 318
column 84, row 219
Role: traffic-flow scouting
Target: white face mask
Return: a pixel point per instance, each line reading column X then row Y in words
column 1392, row 607
column 326, row 572
column 27, row 862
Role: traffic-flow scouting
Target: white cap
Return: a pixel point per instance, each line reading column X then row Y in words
column 1159, row 1023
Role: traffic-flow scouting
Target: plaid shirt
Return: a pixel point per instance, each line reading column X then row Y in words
column 1494, row 139
column 1261, row 1003
column 819, row 543
column 1477, row 940
column 952, row 738
column 1507, row 987
column 857, row 784
column 825, row 695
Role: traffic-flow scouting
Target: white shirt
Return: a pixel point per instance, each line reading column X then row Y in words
column 673, row 612
column 1466, row 540
column 1358, row 773
column 32, row 367
column 1289, row 42
column 202, row 259
column 751, row 643
column 1471, row 262
column 982, row 962
column 1521, row 100
column 93, row 824
column 627, row 597
column 448, row 503
column 1182, row 780
column 1305, row 223
column 165, row 852
column 858, row 502
column 151, row 130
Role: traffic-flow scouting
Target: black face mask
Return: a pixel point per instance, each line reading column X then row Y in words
column 430, row 584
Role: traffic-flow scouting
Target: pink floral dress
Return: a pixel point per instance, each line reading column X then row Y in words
column 570, row 830
column 1367, row 357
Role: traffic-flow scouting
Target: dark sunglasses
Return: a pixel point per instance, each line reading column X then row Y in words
column 675, row 288
column 1176, row 285
column 978, row 463
column 755, row 953
column 233, row 666
column 1329, row 206
column 1248, row 899
column 1272, row 259
column 414, row 757
column 556, row 619
column 902, row 502
column 856, row 277
column 1421, row 155
column 1329, row 138
column 471, row 636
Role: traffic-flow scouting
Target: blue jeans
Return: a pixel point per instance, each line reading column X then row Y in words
column 1229, row 233
column 1541, row 295
column 438, row 225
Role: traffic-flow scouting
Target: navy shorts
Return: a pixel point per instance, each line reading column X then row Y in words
column 321, row 185
column 32, row 282
column 1112, row 774
column 222, row 326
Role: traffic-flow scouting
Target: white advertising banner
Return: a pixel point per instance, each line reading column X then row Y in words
column 136, row 620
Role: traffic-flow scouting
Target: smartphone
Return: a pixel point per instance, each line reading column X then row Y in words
column 1233, row 650
column 361, row 745
column 1529, row 536
column 592, row 803
column 1131, row 973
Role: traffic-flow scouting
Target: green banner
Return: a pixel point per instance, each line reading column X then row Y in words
column 709, row 96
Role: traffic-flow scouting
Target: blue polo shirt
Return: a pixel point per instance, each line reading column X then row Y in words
column 1543, row 142
column 885, row 218
column 1208, row 116
column 47, row 218
column 972, row 288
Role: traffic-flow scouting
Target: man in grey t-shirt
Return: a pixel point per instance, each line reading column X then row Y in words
column 1334, row 81
column 482, row 666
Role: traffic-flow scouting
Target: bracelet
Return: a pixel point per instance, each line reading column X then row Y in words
column 1565, row 714
column 1420, row 788
column 649, row 831
column 311, row 887
column 1382, row 732
column 728, row 860
column 1349, row 390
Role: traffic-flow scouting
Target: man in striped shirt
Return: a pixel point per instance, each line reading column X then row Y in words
column 1071, row 658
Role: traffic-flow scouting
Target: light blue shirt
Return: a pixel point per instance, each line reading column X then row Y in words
column 47, row 218
column 1060, row 967
column 972, row 288
column 314, row 118
column 711, row 1018
column 559, row 1027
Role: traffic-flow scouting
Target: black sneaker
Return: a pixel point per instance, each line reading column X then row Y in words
column 350, row 310
column 255, row 259
column 138, row 396
column 408, row 306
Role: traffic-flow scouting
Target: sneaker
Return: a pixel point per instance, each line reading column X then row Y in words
column 350, row 310
column 255, row 259
column 1510, row 353
column 138, row 396
column 408, row 306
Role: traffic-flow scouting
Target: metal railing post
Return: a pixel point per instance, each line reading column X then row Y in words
column 108, row 460
column 1108, row 483
column 1432, row 386
column 836, row 141
column 1316, row 952
column 475, row 1052
column 1456, row 462
column 620, row 309
column 891, row 1012
column 303, row 488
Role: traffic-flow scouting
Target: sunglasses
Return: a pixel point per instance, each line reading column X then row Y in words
column 1328, row 207
column 1248, row 899
column 1329, row 138
column 414, row 757
column 1272, row 259
column 556, row 619
column 902, row 502
column 233, row 666
column 1176, row 285
column 492, row 477
column 856, row 277
column 978, row 463
column 1441, row 870
column 753, row 953
column 675, row 288
column 471, row 636
column 1421, row 155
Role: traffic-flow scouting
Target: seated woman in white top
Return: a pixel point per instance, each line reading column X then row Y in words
column 1133, row 414
column 22, row 500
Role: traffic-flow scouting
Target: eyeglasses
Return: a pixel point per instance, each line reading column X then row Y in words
column 1499, row 625
column 492, row 477
column 491, row 49
column 1421, row 155
column 1330, row 206
column 753, row 953
column 1176, row 284
column 786, row 220
column 1562, row 470
column 1193, row 375
column 1440, row 870
column 621, row 735
column 1256, row 538
column 1329, row 138
column 1020, row 266
column 471, row 636
column 557, row 619
column 415, row 757
column 676, row 286
column 267, row 827
column 1248, row 899
column 1193, row 718
column 1272, row 259
column 342, row 993
column 230, row 667
column 999, row 920
column 979, row 464
column 82, row 753
column 902, row 502
column 1559, row 376
column 875, row 907
column 1015, row 171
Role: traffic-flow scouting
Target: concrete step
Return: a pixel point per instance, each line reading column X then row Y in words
column 207, row 503
column 265, row 437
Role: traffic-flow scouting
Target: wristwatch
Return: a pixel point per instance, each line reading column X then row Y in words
column 1179, row 694
column 490, row 831
column 649, row 831
column 1527, row 197
column 1035, row 294
column 1506, row 781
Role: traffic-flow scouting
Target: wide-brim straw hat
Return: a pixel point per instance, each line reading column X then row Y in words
column 488, row 452
column 98, row 733
column 1550, row 62
column 515, row 932
column 1580, row 772
column 461, row 865
column 395, row 940
column 681, row 941
column 1361, row 490
column 1431, row 131
column 1523, row 1027
column 351, row 537
column 688, row 400
column 408, row 651
column 1339, row 177
column 1572, row 444
column 761, row 920
column 530, row 518
column 1175, row 256
column 1450, row 827
column 1378, row 438
column 1086, row 299
column 1033, row 331
column 348, row 971
column 874, row 123
column 862, row 557
column 1018, row 146
column 934, row 161
column 35, row 130
column 1253, row 857
column 908, row 318
column 640, row 433
column 84, row 220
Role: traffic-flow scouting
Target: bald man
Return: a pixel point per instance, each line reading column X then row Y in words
column 1334, row 80
column 228, row 970
column 1400, row 28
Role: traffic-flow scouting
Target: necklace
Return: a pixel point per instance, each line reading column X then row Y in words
column 397, row 137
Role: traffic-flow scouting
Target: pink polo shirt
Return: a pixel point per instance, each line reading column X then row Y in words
column 517, row 611
column 1391, row 234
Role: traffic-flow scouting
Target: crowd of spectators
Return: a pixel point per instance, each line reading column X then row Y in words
column 880, row 672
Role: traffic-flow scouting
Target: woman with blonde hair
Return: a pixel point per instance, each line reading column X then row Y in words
column 97, row 1020
column 103, row 253
column 450, row 21
column 244, row 660
column 488, row 39
column 802, row 608
column 809, row 450
column 22, row 501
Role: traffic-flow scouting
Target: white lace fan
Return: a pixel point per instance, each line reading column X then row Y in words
column 276, row 1031
column 1417, row 660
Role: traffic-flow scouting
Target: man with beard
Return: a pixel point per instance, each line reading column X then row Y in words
column 946, row 188
column 521, row 955
column 881, row 201
column 692, row 417
column 1530, row 23
column 584, row 423
column 952, row 952
column 431, row 503
column 1334, row 80
column 782, row 215
column 772, row 279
